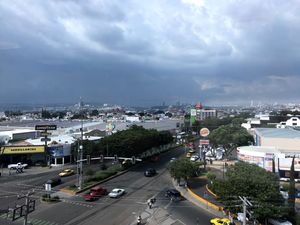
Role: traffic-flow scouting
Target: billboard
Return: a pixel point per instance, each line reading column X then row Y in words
column 22, row 149
column 56, row 150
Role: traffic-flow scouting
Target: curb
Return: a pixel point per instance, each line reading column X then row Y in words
column 208, row 203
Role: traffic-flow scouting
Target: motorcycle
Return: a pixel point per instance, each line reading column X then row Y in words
column 139, row 220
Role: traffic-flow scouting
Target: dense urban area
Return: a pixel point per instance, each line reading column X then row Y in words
column 177, row 164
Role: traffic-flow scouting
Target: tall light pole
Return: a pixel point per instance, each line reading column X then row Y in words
column 81, row 155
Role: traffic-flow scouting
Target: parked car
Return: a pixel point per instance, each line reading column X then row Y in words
column 282, row 221
column 117, row 192
column 190, row 153
column 240, row 217
column 95, row 193
column 172, row 159
column 66, row 172
column 173, row 194
column 150, row 172
column 194, row 158
column 17, row 165
column 54, row 181
column 221, row 221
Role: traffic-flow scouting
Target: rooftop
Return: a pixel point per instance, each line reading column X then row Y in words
column 278, row 133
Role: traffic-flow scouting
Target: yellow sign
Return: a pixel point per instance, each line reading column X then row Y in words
column 22, row 149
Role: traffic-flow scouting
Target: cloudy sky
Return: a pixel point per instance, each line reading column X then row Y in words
column 146, row 52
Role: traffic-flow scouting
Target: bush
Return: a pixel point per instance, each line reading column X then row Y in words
column 48, row 198
column 89, row 172
column 211, row 176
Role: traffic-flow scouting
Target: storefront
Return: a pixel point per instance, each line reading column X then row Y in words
column 30, row 154
column 264, row 157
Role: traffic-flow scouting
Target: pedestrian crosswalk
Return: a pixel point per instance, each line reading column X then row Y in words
column 32, row 221
column 77, row 203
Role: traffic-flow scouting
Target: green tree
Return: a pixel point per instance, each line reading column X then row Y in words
column 229, row 137
column 183, row 169
column 258, row 185
column 291, row 199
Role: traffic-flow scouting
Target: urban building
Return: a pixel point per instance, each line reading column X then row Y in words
column 292, row 122
column 264, row 156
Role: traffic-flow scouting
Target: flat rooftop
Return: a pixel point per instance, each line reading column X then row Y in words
column 278, row 133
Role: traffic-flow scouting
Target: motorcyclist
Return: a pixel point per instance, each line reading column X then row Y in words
column 139, row 220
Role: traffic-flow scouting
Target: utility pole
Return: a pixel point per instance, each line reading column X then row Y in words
column 245, row 204
column 81, row 156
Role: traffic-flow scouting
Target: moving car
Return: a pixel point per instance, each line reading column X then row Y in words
column 221, row 221
column 173, row 194
column 117, row 192
column 150, row 172
column 95, row 193
column 54, row 181
column 66, row 172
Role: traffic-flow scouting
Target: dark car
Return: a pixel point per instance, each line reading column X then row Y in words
column 150, row 172
column 173, row 194
column 54, row 181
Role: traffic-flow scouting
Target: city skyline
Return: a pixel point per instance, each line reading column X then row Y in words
column 145, row 53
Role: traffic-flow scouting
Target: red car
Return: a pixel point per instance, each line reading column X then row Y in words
column 95, row 193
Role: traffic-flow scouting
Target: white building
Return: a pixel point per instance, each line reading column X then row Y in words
column 263, row 157
column 292, row 122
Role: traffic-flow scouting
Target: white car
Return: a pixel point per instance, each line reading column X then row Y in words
column 117, row 192
column 279, row 222
column 17, row 165
column 240, row 217
column 194, row 158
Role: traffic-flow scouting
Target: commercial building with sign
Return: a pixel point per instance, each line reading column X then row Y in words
column 29, row 154
column 263, row 157
column 58, row 149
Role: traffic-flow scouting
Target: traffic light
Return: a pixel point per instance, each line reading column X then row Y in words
column 133, row 159
column 88, row 159
column 101, row 158
column 115, row 158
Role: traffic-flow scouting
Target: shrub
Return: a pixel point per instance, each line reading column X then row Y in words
column 89, row 172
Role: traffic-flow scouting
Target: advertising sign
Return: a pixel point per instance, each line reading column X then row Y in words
column 22, row 149
column 204, row 132
column 56, row 151
column 193, row 112
column 204, row 142
column 45, row 127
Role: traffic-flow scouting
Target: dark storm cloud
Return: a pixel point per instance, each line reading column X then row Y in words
column 143, row 54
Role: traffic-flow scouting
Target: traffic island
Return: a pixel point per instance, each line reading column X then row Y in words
column 50, row 199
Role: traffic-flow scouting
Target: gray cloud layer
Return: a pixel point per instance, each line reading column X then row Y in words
column 146, row 52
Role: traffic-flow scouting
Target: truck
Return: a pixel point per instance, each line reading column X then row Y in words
column 17, row 166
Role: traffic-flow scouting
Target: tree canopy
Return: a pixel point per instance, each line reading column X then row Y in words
column 131, row 142
column 229, row 137
column 183, row 168
column 258, row 185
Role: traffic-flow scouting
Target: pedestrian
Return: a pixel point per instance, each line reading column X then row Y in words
column 153, row 200
column 150, row 205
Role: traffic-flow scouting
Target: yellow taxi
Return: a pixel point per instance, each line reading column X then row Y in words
column 221, row 221
column 66, row 172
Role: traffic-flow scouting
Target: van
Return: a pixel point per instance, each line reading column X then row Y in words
column 279, row 222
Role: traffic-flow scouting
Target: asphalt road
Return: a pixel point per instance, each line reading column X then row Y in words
column 124, row 210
